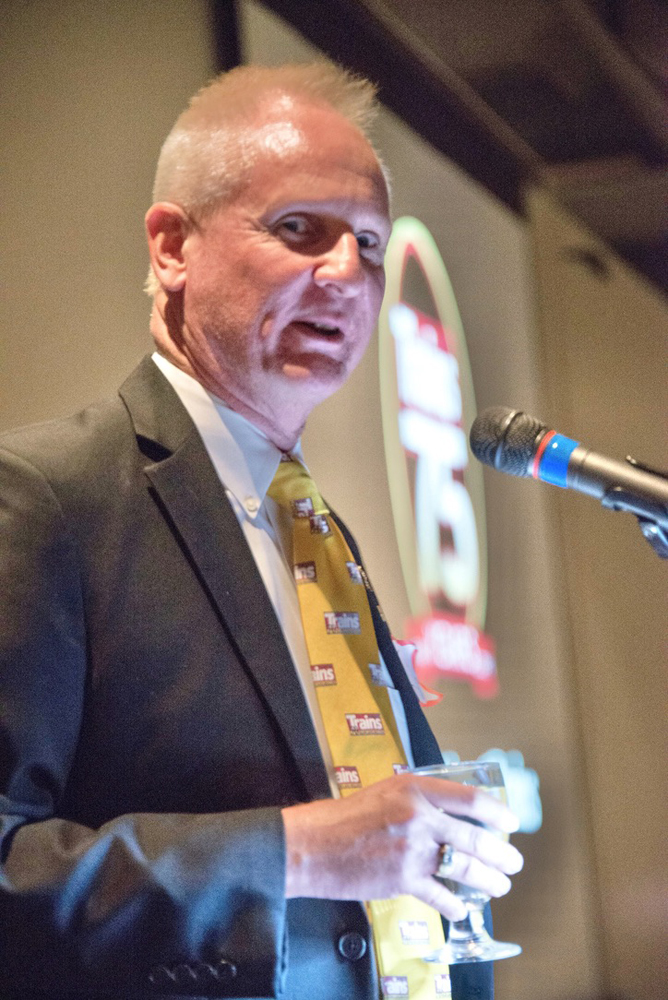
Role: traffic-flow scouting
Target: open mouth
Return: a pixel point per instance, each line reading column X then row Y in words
column 325, row 330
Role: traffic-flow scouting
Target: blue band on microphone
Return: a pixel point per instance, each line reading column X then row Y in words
column 554, row 461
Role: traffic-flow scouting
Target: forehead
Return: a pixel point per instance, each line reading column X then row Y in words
column 311, row 154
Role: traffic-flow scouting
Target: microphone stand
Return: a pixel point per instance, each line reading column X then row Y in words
column 652, row 517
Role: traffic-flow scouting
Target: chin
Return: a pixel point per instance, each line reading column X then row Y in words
column 322, row 373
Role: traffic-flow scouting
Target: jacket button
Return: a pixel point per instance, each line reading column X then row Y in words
column 224, row 969
column 204, row 971
column 184, row 975
column 161, row 977
column 352, row 945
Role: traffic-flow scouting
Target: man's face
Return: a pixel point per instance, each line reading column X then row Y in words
column 284, row 282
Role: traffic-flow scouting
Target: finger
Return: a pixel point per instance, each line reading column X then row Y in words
column 480, row 843
column 467, row 800
column 440, row 897
column 473, row 873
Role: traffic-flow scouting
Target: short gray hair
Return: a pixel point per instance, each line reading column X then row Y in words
column 194, row 167
column 202, row 161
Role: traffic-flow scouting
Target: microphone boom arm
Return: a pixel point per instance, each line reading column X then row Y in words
column 651, row 514
column 514, row 442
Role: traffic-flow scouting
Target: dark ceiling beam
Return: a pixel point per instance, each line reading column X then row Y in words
column 356, row 35
column 634, row 87
column 417, row 84
column 226, row 36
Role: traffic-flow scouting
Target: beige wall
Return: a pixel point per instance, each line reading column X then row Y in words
column 604, row 382
column 88, row 93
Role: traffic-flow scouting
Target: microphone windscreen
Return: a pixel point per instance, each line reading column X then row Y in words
column 506, row 439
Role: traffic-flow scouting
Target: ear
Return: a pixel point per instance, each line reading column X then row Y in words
column 167, row 227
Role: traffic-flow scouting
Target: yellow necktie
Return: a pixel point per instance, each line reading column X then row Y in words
column 357, row 714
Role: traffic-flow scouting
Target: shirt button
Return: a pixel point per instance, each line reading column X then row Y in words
column 252, row 505
column 352, row 946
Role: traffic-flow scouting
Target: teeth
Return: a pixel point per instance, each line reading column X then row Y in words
column 325, row 329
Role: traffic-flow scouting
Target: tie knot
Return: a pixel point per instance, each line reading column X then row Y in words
column 293, row 488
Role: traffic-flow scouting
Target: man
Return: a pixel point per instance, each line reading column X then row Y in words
column 170, row 816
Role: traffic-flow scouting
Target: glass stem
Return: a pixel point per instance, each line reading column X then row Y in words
column 471, row 928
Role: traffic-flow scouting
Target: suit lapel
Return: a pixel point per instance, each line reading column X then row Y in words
column 195, row 503
column 193, row 499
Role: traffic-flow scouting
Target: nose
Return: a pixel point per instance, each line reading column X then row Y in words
column 340, row 266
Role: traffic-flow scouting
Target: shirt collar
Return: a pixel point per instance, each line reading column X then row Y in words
column 242, row 455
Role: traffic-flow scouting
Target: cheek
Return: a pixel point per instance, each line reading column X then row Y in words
column 380, row 286
column 271, row 281
column 374, row 298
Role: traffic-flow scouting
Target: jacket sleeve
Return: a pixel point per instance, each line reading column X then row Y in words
column 149, row 903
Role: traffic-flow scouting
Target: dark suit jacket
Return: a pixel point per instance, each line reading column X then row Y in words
column 151, row 728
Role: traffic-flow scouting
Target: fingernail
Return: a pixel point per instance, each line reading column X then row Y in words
column 507, row 886
column 518, row 859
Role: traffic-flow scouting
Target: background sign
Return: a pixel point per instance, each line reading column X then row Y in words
column 437, row 499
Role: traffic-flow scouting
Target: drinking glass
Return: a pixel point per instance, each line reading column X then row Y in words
column 468, row 939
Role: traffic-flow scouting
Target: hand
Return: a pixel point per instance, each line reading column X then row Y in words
column 385, row 840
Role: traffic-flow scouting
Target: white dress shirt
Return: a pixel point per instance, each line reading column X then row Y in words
column 245, row 461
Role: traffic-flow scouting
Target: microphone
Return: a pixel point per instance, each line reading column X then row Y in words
column 514, row 442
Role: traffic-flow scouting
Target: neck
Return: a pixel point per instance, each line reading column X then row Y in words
column 284, row 432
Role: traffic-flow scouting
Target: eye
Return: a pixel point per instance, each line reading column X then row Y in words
column 294, row 226
column 366, row 241
column 370, row 246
